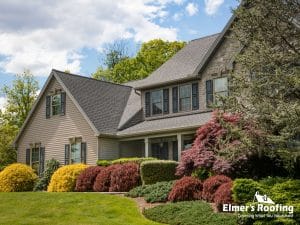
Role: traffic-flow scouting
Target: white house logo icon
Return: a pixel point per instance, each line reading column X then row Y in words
column 262, row 198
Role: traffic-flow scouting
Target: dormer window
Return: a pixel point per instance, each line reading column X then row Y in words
column 156, row 102
column 185, row 96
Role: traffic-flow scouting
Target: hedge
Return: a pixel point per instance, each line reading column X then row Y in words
column 86, row 178
column 211, row 184
column 64, row 179
column 103, row 162
column 186, row 189
column 158, row 170
column 102, row 181
column 132, row 160
column 124, row 177
column 223, row 195
column 17, row 177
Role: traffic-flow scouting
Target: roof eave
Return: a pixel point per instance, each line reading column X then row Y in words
column 33, row 109
column 187, row 78
column 152, row 132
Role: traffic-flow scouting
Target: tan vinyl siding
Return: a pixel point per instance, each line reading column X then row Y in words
column 108, row 148
column 54, row 133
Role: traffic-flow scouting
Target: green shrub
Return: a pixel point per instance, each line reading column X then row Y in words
column 202, row 174
column 51, row 166
column 64, row 179
column 271, row 181
column 17, row 177
column 103, row 162
column 189, row 213
column 286, row 191
column 154, row 192
column 244, row 189
column 158, row 170
column 133, row 159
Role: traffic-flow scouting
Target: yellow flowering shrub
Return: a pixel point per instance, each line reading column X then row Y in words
column 64, row 179
column 17, row 177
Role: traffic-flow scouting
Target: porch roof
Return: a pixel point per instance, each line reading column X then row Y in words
column 192, row 121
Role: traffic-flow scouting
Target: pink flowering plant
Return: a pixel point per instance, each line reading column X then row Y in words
column 222, row 145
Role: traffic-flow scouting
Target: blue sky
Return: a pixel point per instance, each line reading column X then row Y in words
column 68, row 34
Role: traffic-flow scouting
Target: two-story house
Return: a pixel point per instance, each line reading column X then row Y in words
column 79, row 119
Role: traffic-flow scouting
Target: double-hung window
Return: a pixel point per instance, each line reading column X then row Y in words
column 185, row 96
column 56, row 104
column 156, row 102
column 75, row 151
column 215, row 89
column 35, row 159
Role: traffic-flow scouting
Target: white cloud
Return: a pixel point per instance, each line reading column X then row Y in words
column 51, row 34
column 179, row 2
column 212, row 6
column 177, row 16
column 2, row 102
column 191, row 8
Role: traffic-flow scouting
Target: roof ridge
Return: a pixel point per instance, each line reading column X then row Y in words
column 211, row 35
column 90, row 78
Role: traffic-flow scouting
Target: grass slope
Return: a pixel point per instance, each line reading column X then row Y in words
column 68, row 208
column 189, row 213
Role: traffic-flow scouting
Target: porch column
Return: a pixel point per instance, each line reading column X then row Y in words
column 179, row 145
column 146, row 147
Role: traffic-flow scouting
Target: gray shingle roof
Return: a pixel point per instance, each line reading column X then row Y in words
column 102, row 102
column 167, row 124
column 132, row 107
column 182, row 65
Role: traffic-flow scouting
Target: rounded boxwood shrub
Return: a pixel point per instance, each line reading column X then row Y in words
column 124, row 177
column 86, row 178
column 186, row 189
column 102, row 181
column 64, row 179
column 17, row 177
column 158, row 170
column 223, row 195
column 51, row 166
column 211, row 184
column 243, row 190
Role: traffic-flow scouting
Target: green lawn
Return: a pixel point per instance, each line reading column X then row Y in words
column 68, row 208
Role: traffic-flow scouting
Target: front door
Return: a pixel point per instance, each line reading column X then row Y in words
column 160, row 150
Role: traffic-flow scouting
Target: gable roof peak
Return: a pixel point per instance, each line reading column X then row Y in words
column 90, row 78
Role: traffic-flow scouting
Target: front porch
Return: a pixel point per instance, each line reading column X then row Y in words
column 168, row 146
